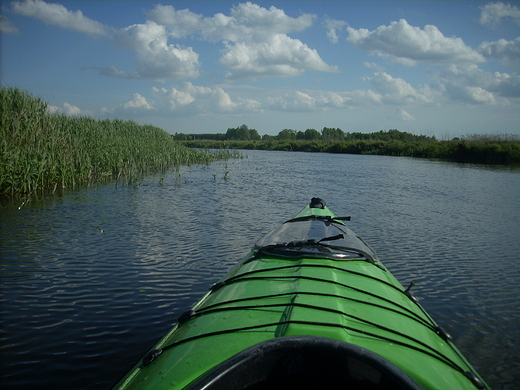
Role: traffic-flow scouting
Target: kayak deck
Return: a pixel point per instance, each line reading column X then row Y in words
column 311, row 306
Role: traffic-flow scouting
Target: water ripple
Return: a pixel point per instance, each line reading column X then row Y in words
column 80, row 306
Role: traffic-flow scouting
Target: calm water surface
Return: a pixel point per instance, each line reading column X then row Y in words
column 92, row 278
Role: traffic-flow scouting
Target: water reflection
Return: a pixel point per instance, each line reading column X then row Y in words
column 86, row 304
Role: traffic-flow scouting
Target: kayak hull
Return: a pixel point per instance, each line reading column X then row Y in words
column 311, row 306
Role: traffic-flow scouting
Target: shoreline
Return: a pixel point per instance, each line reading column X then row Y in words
column 461, row 151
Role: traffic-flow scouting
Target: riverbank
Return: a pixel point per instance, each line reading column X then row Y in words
column 42, row 151
column 467, row 151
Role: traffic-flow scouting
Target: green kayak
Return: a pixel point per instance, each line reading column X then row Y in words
column 311, row 307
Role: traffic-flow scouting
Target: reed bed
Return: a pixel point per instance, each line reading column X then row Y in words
column 475, row 150
column 42, row 151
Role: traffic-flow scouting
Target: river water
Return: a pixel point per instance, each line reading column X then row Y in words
column 92, row 278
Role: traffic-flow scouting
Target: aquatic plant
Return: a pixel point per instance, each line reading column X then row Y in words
column 42, row 151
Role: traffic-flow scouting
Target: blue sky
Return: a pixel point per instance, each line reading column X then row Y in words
column 443, row 68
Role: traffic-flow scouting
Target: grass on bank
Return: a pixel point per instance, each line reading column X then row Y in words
column 42, row 151
column 473, row 150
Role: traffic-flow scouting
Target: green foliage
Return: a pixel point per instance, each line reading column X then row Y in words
column 242, row 133
column 312, row 134
column 332, row 134
column 487, row 149
column 327, row 134
column 192, row 137
column 286, row 134
column 238, row 133
column 390, row 135
column 42, row 151
column 504, row 152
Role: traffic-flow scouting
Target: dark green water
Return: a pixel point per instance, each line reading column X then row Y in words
column 81, row 300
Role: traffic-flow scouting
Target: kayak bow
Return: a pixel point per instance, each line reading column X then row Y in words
column 310, row 307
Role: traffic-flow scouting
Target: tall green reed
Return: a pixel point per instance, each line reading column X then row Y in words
column 41, row 151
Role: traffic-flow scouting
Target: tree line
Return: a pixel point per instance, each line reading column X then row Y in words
column 481, row 152
column 486, row 149
column 328, row 134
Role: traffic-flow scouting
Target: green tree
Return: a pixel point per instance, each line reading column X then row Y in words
column 242, row 133
column 287, row 134
column 312, row 134
column 332, row 134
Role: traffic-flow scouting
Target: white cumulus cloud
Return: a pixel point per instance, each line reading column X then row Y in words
column 187, row 99
column 294, row 101
column 408, row 45
column 277, row 55
column 332, row 26
column 507, row 52
column 471, row 95
column 364, row 97
column 53, row 109
column 472, row 85
column 193, row 99
column 155, row 57
column 138, row 102
column 71, row 110
column 493, row 13
column 67, row 109
column 505, row 85
column 57, row 14
column 255, row 39
column 315, row 100
column 180, row 23
column 397, row 90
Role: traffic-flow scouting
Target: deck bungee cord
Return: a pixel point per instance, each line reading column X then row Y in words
column 217, row 307
column 309, row 278
column 324, row 218
column 319, row 308
column 312, row 265
column 411, row 315
column 153, row 355
column 311, row 297
column 406, row 291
